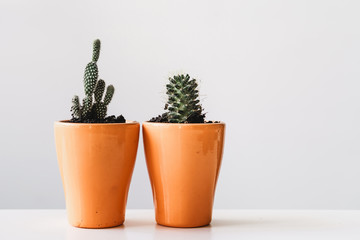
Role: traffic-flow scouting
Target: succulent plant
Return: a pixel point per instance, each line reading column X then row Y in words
column 93, row 107
column 183, row 104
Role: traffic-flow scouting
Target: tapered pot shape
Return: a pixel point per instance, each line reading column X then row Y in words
column 183, row 162
column 96, row 162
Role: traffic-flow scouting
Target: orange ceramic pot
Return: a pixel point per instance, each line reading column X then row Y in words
column 183, row 162
column 96, row 162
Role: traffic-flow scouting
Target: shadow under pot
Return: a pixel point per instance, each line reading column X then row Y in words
column 183, row 162
column 96, row 162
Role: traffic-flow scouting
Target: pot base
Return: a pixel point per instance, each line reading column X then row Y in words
column 183, row 226
column 98, row 226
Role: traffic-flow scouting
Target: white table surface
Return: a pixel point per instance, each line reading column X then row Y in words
column 226, row 224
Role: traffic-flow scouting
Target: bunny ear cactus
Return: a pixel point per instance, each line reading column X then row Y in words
column 183, row 104
column 100, row 107
column 93, row 107
column 96, row 50
column 99, row 90
column 91, row 70
column 76, row 108
column 109, row 94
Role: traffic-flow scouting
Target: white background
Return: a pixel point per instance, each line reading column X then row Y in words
column 283, row 75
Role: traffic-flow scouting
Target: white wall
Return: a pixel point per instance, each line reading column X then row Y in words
column 283, row 75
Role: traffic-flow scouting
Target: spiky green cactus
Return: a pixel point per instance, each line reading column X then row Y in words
column 92, row 86
column 90, row 78
column 76, row 108
column 183, row 103
column 109, row 94
column 96, row 50
column 99, row 90
column 100, row 107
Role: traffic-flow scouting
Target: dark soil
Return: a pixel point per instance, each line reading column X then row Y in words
column 109, row 119
column 161, row 118
column 195, row 119
column 212, row 122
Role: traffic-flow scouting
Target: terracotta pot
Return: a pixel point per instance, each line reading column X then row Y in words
column 183, row 162
column 96, row 162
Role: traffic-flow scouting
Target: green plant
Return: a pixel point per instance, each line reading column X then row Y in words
column 93, row 107
column 183, row 104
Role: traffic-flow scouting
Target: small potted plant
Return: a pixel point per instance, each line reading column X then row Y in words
column 183, row 155
column 96, row 155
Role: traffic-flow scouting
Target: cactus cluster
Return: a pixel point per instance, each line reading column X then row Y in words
column 93, row 105
column 183, row 104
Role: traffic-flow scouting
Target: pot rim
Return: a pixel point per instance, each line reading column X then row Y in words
column 68, row 123
column 184, row 124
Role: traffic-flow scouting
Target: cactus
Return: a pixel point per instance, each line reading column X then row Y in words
column 183, row 104
column 109, row 94
column 99, row 90
column 94, row 90
column 76, row 108
column 90, row 78
column 96, row 50
column 86, row 108
column 100, row 108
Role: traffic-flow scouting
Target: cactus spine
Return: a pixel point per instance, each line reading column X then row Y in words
column 183, row 104
column 92, row 105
